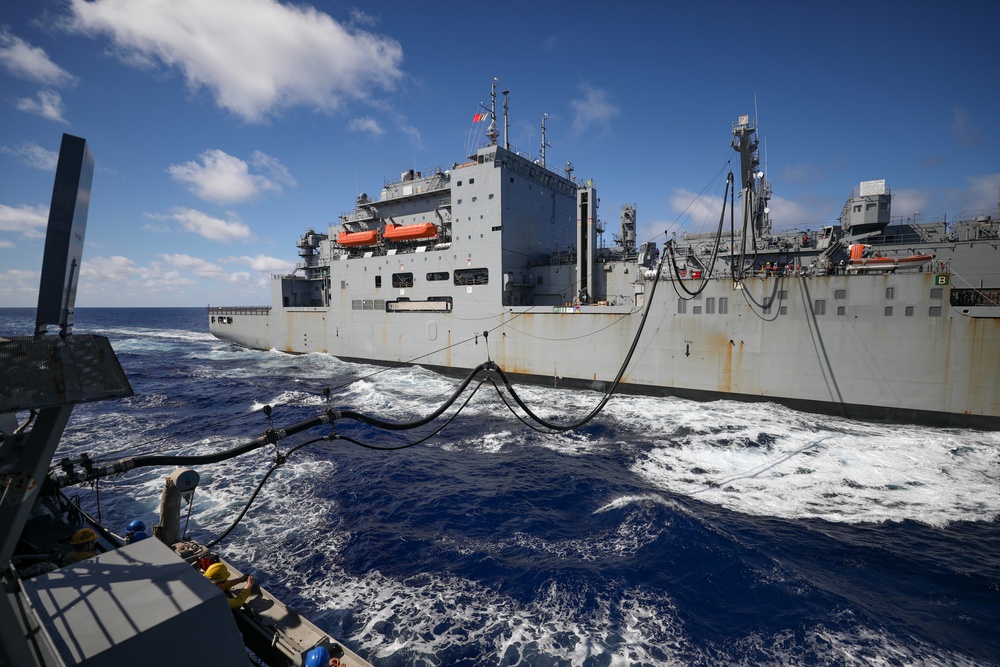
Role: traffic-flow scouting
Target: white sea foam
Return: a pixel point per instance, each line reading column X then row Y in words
column 767, row 460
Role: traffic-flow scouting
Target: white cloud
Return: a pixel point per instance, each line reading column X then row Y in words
column 594, row 108
column 369, row 125
column 695, row 214
column 214, row 229
column 907, row 201
column 194, row 265
column 787, row 214
column 701, row 214
column 359, row 17
column 225, row 179
column 6, row 244
column 155, row 228
column 19, row 288
column 413, row 133
column 254, row 56
column 168, row 275
column 48, row 105
column 33, row 155
column 28, row 221
column 263, row 263
column 980, row 194
column 115, row 269
column 30, row 62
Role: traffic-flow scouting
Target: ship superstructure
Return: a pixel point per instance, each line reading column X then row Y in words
column 501, row 257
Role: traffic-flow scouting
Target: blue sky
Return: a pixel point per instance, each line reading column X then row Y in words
column 223, row 130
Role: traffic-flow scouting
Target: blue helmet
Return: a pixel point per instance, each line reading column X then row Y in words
column 318, row 657
column 138, row 536
column 135, row 525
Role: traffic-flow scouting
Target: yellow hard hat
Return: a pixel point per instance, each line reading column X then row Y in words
column 217, row 572
column 83, row 536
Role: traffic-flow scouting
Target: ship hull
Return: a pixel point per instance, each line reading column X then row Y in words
column 828, row 344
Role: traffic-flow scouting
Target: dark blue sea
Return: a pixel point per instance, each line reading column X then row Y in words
column 664, row 532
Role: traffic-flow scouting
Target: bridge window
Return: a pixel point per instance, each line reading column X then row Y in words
column 402, row 280
column 437, row 275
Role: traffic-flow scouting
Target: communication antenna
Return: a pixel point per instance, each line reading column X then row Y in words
column 492, row 131
column 506, row 122
column 545, row 142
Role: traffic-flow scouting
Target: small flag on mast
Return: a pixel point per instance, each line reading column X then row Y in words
column 479, row 117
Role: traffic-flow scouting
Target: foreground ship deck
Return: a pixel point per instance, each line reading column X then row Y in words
column 871, row 319
column 124, row 601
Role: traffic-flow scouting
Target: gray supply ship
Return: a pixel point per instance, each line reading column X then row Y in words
column 499, row 258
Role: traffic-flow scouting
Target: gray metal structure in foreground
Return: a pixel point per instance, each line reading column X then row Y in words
column 125, row 605
column 131, row 606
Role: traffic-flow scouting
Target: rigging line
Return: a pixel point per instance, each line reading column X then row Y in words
column 715, row 251
column 246, row 507
column 752, row 302
column 513, row 412
column 614, row 385
column 763, row 467
column 698, row 197
column 174, row 436
column 404, row 426
column 586, row 335
column 335, row 436
column 410, row 361
column 272, row 436
column 978, row 290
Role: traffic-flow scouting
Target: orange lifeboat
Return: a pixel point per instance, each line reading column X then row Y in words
column 352, row 239
column 421, row 230
column 888, row 263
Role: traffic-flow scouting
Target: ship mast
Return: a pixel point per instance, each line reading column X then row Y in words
column 506, row 122
column 756, row 191
column 545, row 142
column 491, row 133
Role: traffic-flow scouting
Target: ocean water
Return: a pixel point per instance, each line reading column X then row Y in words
column 665, row 532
